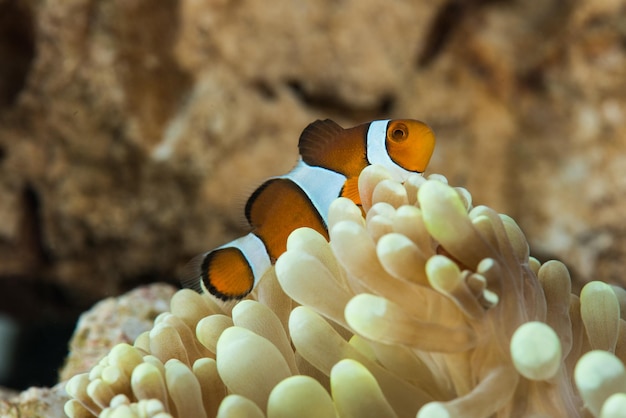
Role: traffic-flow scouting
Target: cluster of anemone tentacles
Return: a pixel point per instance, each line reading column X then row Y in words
column 428, row 307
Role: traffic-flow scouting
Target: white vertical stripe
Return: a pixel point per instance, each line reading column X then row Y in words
column 321, row 185
column 377, row 150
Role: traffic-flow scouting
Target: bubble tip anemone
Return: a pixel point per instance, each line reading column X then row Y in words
column 426, row 304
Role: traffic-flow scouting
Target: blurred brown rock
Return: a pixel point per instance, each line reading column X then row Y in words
column 131, row 133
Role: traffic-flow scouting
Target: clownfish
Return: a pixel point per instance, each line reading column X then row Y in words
column 331, row 159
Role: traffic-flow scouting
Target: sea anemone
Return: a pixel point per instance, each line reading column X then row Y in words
column 426, row 307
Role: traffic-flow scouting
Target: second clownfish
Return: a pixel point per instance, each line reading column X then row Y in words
column 331, row 159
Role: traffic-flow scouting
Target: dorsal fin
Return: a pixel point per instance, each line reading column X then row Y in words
column 315, row 140
column 326, row 144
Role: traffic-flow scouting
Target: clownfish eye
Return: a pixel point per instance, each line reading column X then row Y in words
column 398, row 132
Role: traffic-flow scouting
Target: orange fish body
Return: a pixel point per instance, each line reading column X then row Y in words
column 331, row 160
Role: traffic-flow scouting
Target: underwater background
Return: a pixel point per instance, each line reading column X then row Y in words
column 131, row 133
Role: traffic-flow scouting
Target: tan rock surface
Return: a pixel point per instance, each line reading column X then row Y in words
column 130, row 134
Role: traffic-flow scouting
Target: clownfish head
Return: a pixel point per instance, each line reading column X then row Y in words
column 403, row 146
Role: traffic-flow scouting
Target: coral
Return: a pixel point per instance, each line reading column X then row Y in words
column 428, row 306
column 33, row 403
column 112, row 321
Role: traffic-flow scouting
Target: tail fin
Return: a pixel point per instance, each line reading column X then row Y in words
column 192, row 273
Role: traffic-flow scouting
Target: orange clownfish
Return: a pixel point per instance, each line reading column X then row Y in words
column 331, row 159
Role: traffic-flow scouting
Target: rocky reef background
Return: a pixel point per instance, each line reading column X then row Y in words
column 131, row 132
